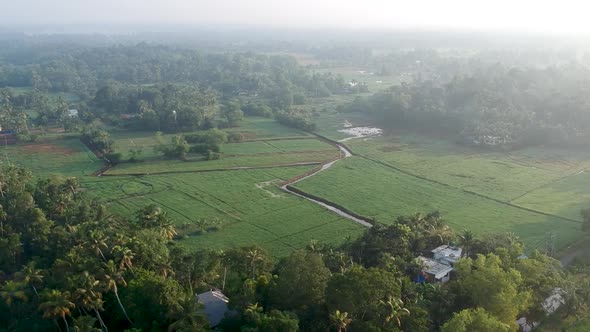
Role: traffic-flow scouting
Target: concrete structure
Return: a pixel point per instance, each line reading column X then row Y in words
column 435, row 271
column 215, row 304
column 72, row 113
column 448, row 255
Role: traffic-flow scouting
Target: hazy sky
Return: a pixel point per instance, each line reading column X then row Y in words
column 570, row 16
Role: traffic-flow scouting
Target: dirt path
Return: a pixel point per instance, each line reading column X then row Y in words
column 344, row 153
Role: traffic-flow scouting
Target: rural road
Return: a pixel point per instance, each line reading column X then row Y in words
column 344, row 153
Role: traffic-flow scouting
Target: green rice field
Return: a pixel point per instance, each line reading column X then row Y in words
column 381, row 192
column 248, row 206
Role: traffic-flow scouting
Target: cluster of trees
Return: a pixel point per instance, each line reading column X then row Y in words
column 208, row 143
column 166, row 107
column 15, row 108
column 296, row 118
column 66, row 262
column 513, row 106
column 83, row 70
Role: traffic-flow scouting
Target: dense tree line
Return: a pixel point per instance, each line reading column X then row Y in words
column 496, row 106
column 84, row 70
column 67, row 263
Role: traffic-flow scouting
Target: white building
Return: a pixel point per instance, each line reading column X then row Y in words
column 435, row 271
column 72, row 113
column 447, row 254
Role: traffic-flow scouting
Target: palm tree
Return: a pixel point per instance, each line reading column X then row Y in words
column 165, row 268
column 87, row 296
column 467, row 240
column 85, row 324
column 56, row 304
column 187, row 317
column 315, row 247
column 167, row 230
column 125, row 257
column 97, row 242
column 112, row 277
column 254, row 256
column 31, row 276
column 394, row 309
column 340, row 320
column 13, row 290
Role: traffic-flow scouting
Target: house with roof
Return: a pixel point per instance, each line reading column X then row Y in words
column 447, row 254
column 438, row 268
column 215, row 305
column 433, row 271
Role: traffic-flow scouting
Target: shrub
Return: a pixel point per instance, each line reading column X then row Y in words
column 113, row 157
column 212, row 136
column 235, row 137
column 296, row 120
column 212, row 155
column 204, row 148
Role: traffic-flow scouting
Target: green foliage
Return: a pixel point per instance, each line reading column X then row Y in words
column 300, row 268
column 151, row 297
column 177, row 148
column 211, row 137
column 114, row 157
column 257, row 109
column 235, row 137
column 296, row 119
column 486, row 283
column 475, row 320
column 97, row 139
column 359, row 292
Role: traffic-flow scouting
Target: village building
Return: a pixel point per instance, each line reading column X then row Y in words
column 434, row 271
column 438, row 268
column 215, row 306
column 73, row 113
column 447, row 254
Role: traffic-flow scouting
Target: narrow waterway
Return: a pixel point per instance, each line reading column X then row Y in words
column 344, row 153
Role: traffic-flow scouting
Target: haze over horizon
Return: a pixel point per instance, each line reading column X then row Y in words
column 553, row 17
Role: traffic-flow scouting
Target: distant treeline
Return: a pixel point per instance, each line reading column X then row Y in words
column 498, row 106
column 83, row 70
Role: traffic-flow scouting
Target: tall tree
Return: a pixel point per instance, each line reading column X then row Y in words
column 56, row 304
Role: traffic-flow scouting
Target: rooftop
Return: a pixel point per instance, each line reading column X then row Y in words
column 432, row 267
column 447, row 254
column 215, row 303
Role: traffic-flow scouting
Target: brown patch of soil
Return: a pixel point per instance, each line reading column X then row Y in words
column 47, row 148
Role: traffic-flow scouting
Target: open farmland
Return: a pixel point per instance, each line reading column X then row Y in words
column 67, row 156
column 381, row 192
column 228, row 162
column 246, row 205
column 565, row 197
column 500, row 175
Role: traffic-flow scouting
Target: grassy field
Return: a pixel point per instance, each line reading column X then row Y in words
column 259, row 127
column 247, row 204
column 500, row 175
column 564, row 197
column 67, row 156
column 267, row 144
column 226, row 162
column 374, row 190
